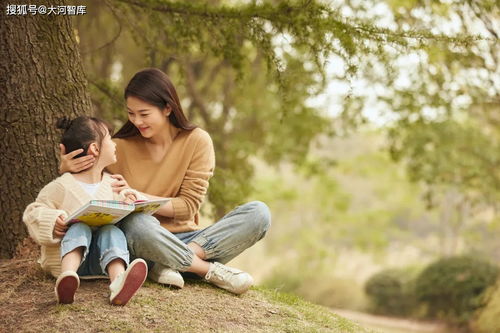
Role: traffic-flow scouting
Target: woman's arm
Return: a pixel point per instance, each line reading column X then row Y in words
column 121, row 185
column 165, row 210
column 194, row 185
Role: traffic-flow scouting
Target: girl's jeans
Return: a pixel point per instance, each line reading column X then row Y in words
column 101, row 246
column 222, row 241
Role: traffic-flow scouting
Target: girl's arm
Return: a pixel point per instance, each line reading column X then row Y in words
column 41, row 216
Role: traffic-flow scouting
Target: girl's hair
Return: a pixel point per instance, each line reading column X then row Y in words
column 153, row 86
column 81, row 132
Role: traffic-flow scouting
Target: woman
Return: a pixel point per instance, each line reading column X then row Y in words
column 162, row 155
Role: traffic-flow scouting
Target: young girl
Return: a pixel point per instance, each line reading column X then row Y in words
column 85, row 251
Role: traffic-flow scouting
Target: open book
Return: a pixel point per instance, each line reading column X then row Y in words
column 101, row 212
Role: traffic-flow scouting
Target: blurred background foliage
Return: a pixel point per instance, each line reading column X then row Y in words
column 370, row 128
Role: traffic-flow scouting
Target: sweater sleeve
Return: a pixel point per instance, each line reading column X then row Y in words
column 41, row 215
column 195, row 182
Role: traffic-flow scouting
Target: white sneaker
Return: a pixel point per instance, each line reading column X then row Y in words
column 165, row 275
column 229, row 278
column 127, row 283
column 66, row 285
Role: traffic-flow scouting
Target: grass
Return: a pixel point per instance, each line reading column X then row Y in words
column 27, row 304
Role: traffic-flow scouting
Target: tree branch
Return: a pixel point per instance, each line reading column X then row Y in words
column 196, row 98
column 287, row 14
column 118, row 34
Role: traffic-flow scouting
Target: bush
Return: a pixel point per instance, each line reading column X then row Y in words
column 451, row 288
column 487, row 320
column 391, row 292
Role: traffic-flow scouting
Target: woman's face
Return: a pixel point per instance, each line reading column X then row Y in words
column 149, row 119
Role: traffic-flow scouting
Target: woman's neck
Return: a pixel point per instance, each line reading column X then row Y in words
column 90, row 176
column 163, row 138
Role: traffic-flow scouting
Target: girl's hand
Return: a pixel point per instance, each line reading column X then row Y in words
column 74, row 165
column 60, row 228
column 131, row 198
column 120, row 184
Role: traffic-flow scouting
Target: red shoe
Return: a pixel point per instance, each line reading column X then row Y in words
column 127, row 283
column 66, row 286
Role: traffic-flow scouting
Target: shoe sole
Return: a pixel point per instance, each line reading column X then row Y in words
column 66, row 289
column 136, row 276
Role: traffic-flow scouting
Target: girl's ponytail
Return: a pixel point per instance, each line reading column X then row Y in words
column 64, row 123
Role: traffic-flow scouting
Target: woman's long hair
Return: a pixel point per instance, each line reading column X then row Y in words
column 153, row 86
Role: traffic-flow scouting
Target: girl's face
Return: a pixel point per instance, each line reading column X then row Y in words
column 149, row 119
column 107, row 153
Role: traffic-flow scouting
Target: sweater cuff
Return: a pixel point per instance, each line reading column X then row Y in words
column 46, row 224
column 181, row 210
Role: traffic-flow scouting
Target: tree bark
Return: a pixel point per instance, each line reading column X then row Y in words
column 41, row 79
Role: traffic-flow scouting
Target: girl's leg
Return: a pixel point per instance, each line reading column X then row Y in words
column 72, row 260
column 234, row 233
column 115, row 268
column 114, row 258
column 74, row 248
column 112, row 253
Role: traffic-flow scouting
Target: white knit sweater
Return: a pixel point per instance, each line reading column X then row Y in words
column 62, row 197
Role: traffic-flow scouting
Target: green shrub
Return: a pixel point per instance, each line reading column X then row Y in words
column 451, row 288
column 487, row 320
column 391, row 292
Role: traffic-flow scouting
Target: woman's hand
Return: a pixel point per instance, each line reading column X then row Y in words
column 119, row 184
column 60, row 228
column 74, row 165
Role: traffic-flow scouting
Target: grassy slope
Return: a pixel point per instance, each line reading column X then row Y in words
column 27, row 305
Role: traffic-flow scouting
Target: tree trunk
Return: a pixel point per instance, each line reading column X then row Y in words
column 41, row 79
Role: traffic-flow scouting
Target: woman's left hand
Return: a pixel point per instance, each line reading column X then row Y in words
column 119, row 184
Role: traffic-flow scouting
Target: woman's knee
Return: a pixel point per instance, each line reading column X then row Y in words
column 261, row 216
column 137, row 225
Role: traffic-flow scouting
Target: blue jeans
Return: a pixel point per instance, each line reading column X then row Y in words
column 222, row 241
column 101, row 246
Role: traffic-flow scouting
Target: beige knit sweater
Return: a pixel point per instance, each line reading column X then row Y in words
column 182, row 174
column 61, row 197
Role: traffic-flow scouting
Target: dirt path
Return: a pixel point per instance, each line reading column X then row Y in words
column 390, row 324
